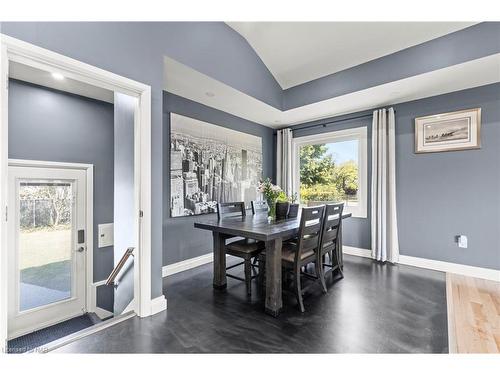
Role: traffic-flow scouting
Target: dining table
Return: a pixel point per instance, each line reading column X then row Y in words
column 272, row 232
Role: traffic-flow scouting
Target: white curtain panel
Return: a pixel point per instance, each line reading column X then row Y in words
column 384, row 226
column 284, row 160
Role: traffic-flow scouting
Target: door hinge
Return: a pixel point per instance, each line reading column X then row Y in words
column 141, row 213
column 6, row 213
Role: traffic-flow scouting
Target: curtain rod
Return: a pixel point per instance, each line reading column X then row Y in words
column 325, row 124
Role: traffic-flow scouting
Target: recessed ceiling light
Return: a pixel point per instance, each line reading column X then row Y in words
column 57, row 76
column 277, row 121
column 210, row 94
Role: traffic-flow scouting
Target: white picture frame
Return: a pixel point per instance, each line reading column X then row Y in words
column 452, row 131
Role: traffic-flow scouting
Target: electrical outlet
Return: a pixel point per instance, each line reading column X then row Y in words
column 462, row 241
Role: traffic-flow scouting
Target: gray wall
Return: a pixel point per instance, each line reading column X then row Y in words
column 46, row 124
column 444, row 194
column 440, row 195
column 181, row 240
column 124, row 195
column 136, row 50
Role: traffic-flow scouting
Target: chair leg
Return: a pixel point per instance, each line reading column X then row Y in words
column 248, row 276
column 320, row 272
column 254, row 266
column 337, row 259
column 298, row 289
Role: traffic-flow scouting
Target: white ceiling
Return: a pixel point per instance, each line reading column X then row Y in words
column 43, row 78
column 184, row 81
column 298, row 52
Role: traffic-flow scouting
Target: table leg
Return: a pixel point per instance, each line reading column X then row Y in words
column 274, row 301
column 220, row 281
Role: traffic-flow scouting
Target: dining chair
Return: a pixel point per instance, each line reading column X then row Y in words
column 245, row 248
column 329, row 241
column 305, row 249
column 259, row 207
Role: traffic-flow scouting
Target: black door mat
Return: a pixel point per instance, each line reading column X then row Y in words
column 43, row 336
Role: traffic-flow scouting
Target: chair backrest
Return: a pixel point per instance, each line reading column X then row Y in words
column 231, row 209
column 259, row 206
column 331, row 226
column 311, row 224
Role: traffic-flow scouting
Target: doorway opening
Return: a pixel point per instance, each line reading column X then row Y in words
column 62, row 236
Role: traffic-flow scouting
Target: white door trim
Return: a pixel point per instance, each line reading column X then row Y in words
column 12, row 49
column 89, row 212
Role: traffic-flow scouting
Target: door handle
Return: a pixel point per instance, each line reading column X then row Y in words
column 81, row 249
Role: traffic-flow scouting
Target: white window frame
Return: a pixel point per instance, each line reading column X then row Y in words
column 360, row 134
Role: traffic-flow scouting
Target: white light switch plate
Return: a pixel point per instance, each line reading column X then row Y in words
column 462, row 241
column 105, row 234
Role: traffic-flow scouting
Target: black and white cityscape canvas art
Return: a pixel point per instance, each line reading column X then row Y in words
column 210, row 164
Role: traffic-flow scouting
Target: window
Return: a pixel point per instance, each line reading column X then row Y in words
column 332, row 167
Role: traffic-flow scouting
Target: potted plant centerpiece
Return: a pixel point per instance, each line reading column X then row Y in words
column 271, row 193
column 294, row 206
column 282, row 205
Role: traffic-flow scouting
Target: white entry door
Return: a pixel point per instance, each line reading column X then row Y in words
column 46, row 221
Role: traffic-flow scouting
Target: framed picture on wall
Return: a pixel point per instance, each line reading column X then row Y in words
column 452, row 131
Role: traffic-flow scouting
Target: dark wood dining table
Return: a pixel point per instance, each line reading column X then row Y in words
column 256, row 227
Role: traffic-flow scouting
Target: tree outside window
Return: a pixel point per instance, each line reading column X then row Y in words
column 326, row 176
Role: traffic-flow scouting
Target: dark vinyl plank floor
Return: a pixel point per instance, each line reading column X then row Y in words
column 374, row 309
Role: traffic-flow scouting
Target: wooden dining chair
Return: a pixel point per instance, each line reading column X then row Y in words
column 259, row 207
column 304, row 250
column 329, row 241
column 245, row 248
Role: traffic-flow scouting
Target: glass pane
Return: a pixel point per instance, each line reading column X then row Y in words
column 329, row 173
column 45, row 243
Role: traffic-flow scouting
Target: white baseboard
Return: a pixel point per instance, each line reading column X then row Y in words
column 437, row 265
column 158, row 304
column 365, row 253
column 461, row 269
column 431, row 264
column 187, row 264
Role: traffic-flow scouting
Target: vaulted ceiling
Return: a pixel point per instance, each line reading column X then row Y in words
column 331, row 69
column 298, row 52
